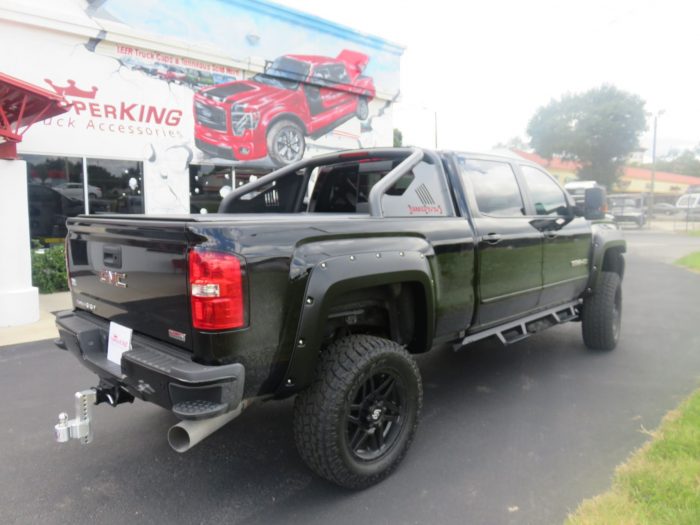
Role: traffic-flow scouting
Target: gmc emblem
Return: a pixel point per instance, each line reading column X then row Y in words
column 114, row 278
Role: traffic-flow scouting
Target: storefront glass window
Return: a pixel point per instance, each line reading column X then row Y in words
column 210, row 184
column 115, row 186
column 55, row 191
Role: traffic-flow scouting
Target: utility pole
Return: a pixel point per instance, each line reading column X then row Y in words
column 653, row 162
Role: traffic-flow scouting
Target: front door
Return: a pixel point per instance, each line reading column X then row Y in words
column 567, row 240
column 509, row 249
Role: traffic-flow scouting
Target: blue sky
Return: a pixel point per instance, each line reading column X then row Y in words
column 226, row 26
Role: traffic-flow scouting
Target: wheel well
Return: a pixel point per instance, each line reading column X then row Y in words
column 614, row 261
column 287, row 116
column 393, row 311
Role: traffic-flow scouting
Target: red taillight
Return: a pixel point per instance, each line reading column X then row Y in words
column 216, row 290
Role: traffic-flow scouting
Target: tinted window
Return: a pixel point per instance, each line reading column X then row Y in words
column 114, row 186
column 547, row 197
column 420, row 192
column 495, row 187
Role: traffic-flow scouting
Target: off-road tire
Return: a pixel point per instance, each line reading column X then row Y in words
column 323, row 429
column 602, row 313
column 285, row 142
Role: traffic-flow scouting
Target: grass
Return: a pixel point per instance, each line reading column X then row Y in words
column 660, row 483
column 691, row 261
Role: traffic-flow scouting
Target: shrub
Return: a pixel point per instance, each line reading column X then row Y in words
column 49, row 268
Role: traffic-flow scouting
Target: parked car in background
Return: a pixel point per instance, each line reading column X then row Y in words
column 689, row 204
column 49, row 209
column 172, row 74
column 628, row 208
column 74, row 190
column 577, row 189
column 663, row 208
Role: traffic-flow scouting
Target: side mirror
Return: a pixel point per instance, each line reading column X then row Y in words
column 594, row 203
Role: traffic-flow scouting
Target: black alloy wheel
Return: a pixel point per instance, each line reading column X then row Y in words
column 354, row 424
column 376, row 416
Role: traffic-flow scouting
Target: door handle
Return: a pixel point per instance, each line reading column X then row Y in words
column 492, row 238
column 551, row 235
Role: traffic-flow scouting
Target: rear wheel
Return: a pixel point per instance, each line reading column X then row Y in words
column 354, row 424
column 362, row 111
column 602, row 313
column 285, row 142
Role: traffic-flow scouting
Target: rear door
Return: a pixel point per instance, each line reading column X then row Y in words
column 133, row 272
column 567, row 239
column 509, row 249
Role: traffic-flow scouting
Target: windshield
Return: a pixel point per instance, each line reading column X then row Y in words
column 284, row 72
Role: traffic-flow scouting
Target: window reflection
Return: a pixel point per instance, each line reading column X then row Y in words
column 52, row 194
column 115, row 186
column 55, row 191
column 495, row 187
column 210, row 184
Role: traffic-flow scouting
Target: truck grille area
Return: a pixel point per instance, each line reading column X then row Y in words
column 210, row 116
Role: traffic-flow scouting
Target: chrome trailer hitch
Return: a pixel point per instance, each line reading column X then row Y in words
column 80, row 427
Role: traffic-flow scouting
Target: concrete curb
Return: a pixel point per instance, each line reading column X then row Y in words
column 44, row 328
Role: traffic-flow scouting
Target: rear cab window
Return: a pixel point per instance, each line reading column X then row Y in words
column 493, row 185
column 344, row 188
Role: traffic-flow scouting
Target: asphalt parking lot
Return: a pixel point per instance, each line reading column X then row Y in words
column 509, row 435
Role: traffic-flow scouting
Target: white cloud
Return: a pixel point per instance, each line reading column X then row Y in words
column 486, row 66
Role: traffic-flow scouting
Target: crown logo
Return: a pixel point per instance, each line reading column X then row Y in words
column 71, row 90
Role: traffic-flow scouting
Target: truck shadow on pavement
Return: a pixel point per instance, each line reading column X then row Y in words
column 250, row 470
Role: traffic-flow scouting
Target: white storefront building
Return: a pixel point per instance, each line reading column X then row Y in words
column 173, row 105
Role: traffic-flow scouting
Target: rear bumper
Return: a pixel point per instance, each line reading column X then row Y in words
column 153, row 371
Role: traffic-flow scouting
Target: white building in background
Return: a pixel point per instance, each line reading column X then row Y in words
column 172, row 107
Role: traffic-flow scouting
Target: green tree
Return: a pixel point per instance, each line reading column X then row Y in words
column 398, row 138
column 598, row 129
column 684, row 162
column 513, row 143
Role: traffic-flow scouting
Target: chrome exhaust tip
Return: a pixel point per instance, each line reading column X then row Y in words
column 188, row 433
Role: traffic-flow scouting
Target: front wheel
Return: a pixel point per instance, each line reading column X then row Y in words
column 285, row 143
column 602, row 313
column 362, row 111
column 356, row 421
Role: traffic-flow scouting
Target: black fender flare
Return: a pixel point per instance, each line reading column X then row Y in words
column 334, row 276
column 603, row 241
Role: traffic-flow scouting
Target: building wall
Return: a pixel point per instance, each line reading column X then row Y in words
column 132, row 69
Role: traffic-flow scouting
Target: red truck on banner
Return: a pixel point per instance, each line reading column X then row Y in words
column 297, row 96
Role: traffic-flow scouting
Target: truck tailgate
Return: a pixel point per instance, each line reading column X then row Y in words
column 133, row 272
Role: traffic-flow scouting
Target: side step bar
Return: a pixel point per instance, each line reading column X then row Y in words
column 525, row 326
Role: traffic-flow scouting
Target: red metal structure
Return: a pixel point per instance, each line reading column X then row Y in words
column 22, row 105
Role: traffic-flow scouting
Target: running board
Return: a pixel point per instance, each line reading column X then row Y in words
column 525, row 326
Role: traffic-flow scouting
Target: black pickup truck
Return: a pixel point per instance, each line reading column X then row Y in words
column 322, row 280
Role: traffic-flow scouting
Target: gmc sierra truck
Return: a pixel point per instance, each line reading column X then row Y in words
column 322, row 280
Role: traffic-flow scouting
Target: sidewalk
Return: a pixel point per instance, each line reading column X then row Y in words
column 44, row 328
column 669, row 225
